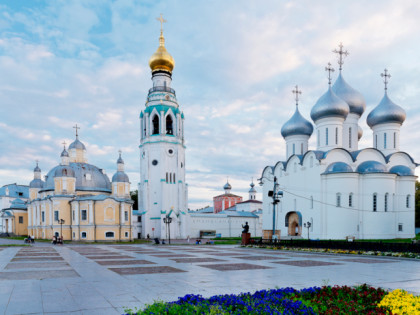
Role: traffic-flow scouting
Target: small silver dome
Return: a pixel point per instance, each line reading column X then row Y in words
column 63, row 171
column 297, row 125
column 353, row 98
column 36, row 183
column 227, row 186
column 338, row 167
column 120, row 160
column 386, row 112
column 401, row 170
column 77, row 144
column 359, row 132
column 120, row 177
column 252, row 190
column 37, row 169
column 329, row 105
column 64, row 153
column 371, row 167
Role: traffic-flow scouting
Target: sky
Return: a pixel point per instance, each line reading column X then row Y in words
column 237, row 62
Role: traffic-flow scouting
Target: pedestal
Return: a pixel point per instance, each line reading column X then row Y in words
column 246, row 237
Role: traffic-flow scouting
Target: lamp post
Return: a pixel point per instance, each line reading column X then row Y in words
column 276, row 195
column 168, row 220
column 308, row 226
column 61, row 222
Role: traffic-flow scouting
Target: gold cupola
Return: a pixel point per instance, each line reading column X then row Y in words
column 161, row 59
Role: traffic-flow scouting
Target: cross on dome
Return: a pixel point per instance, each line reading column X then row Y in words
column 161, row 20
column 296, row 92
column 64, row 144
column 386, row 76
column 341, row 55
column 329, row 69
column 76, row 127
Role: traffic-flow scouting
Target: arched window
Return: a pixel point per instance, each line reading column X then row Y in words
column 174, row 179
column 395, row 140
column 166, row 177
column 301, row 148
column 351, row 200
column 336, row 135
column 326, row 136
column 374, row 201
column 376, row 141
column 155, row 122
column 109, row 234
column 407, row 201
column 312, row 202
column 294, row 149
column 83, row 235
column 169, row 125
column 386, row 202
column 349, row 137
column 338, row 200
column 384, row 140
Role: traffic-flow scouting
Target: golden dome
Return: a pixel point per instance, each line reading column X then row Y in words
column 161, row 59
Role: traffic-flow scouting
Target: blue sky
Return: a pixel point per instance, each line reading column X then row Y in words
column 86, row 62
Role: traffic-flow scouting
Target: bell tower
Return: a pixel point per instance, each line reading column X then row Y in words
column 162, row 188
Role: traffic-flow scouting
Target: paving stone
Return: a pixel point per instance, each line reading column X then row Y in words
column 37, row 259
column 173, row 255
column 16, row 265
column 257, row 257
column 234, row 267
column 306, row 263
column 39, row 274
column 124, row 262
column 368, row 260
column 145, row 270
column 196, row 260
column 38, row 254
column 108, row 257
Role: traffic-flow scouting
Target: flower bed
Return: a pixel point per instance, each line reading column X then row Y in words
column 401, row 302
column 343, row 251
column 326, row 300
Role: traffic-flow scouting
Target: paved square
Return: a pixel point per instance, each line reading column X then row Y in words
column 230, row 267
column 74, row 280
column 306, row 263
column 145, row 270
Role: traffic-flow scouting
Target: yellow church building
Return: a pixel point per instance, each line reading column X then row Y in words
column 77, row 200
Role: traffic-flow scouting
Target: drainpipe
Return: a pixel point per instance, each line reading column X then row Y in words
column 120, row 221
column 94, row 220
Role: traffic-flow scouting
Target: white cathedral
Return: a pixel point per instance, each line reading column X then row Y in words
column 162, row 188
column 338, row 190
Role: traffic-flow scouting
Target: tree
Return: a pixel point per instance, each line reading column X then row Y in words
column 135, row 197
column 417, row 204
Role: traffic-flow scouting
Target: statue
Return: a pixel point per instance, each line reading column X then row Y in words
column 245, row 228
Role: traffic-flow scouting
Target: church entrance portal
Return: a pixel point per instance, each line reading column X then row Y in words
column 294, row 223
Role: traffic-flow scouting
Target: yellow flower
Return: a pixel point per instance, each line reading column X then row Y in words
column 401, row 302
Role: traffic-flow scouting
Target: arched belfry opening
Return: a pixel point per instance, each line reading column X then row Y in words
column 155, row 123
column 169, row 125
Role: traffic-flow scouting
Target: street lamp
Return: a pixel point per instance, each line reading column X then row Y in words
column 168, row 220
column 308, row 226
column 61, row 222
column 276, row 195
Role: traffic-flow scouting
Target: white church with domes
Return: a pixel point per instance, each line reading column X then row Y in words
column 339, row 190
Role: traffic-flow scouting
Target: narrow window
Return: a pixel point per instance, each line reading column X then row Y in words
column 166, row 177
column 336, row 135
column 293, row 148
column 376, row 141
column 319, row 138
column 384, row 140
column 174, row 179
column 326, row 136
column 301, row 148
column 139, row 218
column 126, row 234
column 170, row 178
column 55, row 215
column 407, row 201
column 73, row 215
column 43, row 216
column 374, row 202
column 338, row 201
column 312, row 202
column 351, row 200
column 350, row 137
column 155, row 122
column 395, row 139
column 386, row 202
column 84, row 215
column 169, row 125
column 400, row 227
column 20, row 219
column 126, row 216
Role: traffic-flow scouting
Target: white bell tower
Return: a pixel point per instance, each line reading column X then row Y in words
column 162, row 187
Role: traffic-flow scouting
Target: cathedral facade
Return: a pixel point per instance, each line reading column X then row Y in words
column 78, row 201
column 339, row 190
column 162, row 188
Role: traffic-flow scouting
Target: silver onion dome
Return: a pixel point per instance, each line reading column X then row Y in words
column 252, row 190
column 353, row 98
column 64, row 153
column 386, row 112
column 297, row 125
column 120, row 177
column 120, row 160
column 359, row 132
column 329, row 105
column 77, row 144
column 227, row 186
column 37, row 169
